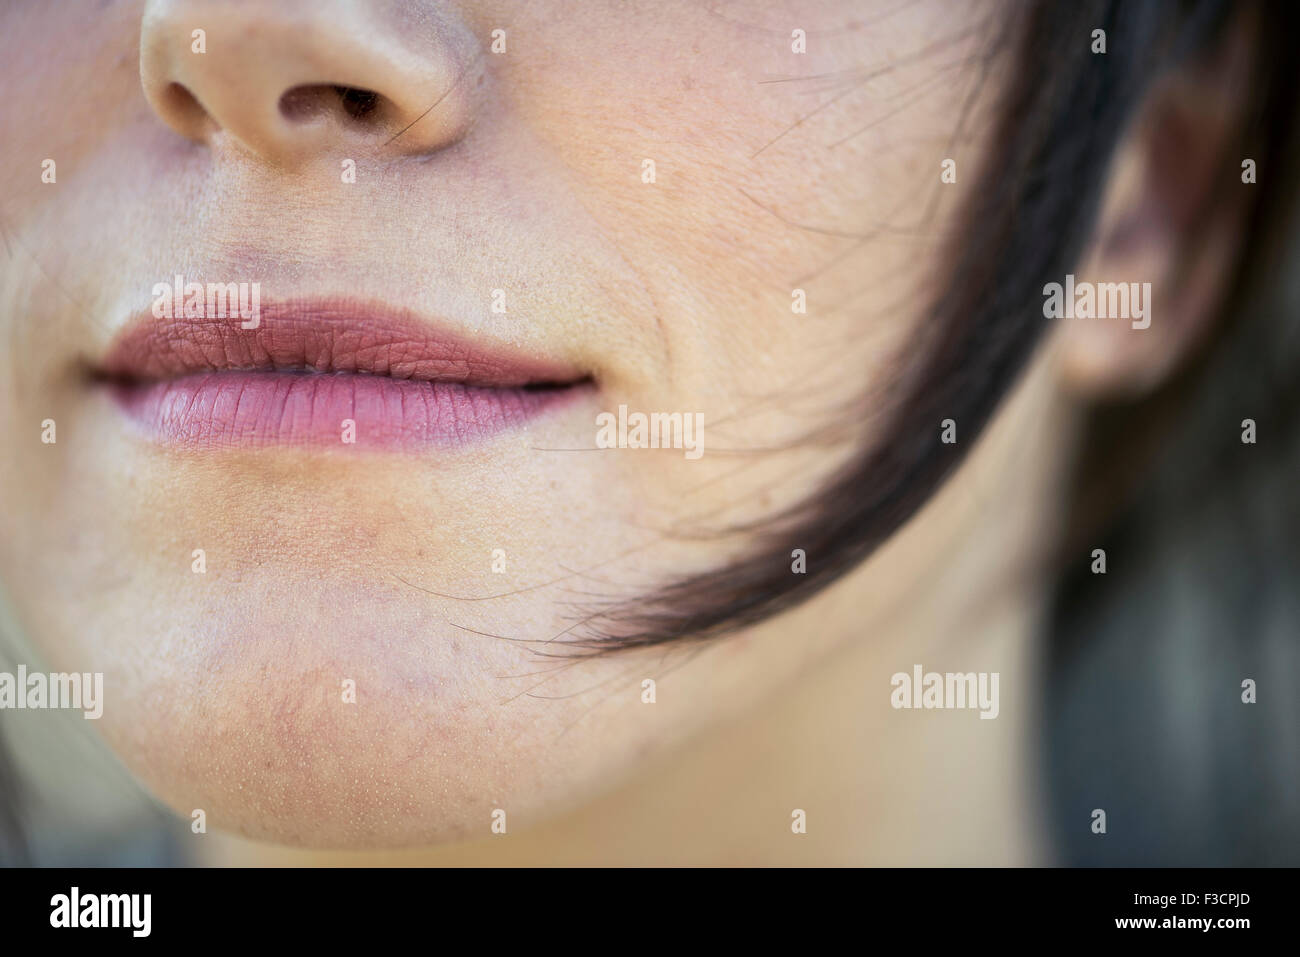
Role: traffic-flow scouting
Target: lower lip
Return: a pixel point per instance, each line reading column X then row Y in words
column 257, row 409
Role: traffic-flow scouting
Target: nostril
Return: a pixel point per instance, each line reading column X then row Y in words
column 357, row 102
column 304, row 103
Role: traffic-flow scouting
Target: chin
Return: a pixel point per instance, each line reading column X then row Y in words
column 318, row 731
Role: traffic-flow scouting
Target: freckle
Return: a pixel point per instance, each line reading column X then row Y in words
column 688, row 83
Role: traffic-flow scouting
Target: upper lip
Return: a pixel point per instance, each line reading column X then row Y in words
column 323, row 336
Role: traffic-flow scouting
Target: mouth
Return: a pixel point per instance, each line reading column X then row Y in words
column 324, row 373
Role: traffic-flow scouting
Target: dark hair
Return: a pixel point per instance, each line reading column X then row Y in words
column 1059, row 121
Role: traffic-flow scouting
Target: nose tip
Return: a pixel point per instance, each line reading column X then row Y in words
column 299, row 78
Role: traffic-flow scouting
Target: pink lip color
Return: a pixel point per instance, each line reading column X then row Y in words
column 321, row 373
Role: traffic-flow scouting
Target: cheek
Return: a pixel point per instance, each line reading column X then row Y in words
column 782, row 210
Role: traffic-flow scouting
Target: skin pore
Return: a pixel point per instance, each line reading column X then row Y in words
column 772, row 171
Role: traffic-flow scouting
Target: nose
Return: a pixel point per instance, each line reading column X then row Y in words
column 294, row 79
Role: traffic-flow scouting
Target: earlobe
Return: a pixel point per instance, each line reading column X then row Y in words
column 1170, row 223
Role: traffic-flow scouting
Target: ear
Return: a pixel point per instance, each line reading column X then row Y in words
column 1172, row 215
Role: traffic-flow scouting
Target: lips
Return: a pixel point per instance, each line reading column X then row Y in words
column 325, row 374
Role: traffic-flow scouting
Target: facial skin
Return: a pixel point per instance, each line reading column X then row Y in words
column 333, row 563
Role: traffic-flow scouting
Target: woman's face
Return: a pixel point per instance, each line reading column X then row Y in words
column 317, row 552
